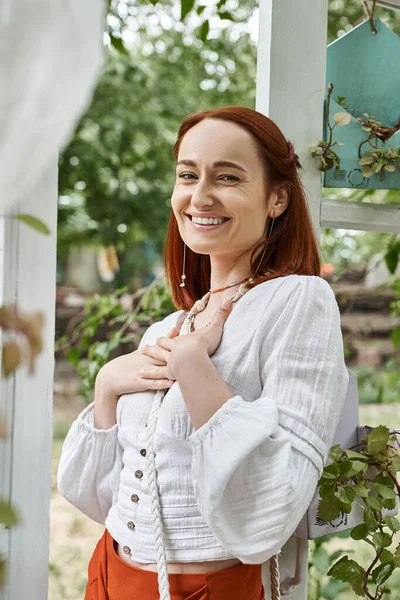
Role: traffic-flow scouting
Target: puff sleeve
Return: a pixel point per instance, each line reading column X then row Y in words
column 256, row 463
column 91, row 462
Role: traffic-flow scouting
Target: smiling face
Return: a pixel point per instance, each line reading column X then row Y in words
column 219, row 174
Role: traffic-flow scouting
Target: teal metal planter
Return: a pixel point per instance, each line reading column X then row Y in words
column 364, row 69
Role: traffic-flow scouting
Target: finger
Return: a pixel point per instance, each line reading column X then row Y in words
column 156, row 352
column 174, row 331
column 156, row 372
column 222, row 313
column 159, row 384
column 165, row 342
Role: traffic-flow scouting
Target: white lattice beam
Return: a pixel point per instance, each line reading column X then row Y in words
column 363, row 216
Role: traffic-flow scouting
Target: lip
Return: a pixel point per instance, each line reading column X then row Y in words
column 206, row 227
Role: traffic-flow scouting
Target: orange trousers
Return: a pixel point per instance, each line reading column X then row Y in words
column 110, row 578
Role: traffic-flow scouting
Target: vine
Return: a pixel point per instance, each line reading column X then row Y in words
column 350, row 478
column 116, row 313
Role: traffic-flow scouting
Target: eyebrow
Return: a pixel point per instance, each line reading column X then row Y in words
column 218, row 163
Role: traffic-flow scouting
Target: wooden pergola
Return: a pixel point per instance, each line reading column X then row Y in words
column 290, row 89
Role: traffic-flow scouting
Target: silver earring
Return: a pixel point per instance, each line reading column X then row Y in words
column 265, row 247
column 183, row 276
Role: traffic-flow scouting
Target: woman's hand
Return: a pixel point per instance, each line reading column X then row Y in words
column 173, row 349
column 122, row 374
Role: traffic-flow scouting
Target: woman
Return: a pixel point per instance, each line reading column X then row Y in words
column 254, row 391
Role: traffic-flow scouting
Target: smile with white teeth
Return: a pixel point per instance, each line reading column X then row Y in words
column 204, row 221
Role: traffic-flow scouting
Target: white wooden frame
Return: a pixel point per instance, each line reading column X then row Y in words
column 291, row 66
column 27, row 272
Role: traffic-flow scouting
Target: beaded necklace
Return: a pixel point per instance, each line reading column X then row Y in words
column 200, row 305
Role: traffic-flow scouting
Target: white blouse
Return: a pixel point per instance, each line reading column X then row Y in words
column 240, row 484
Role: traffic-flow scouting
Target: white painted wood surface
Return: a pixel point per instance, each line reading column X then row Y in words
column 291, row 67
column 26, row 401
column 363, row 216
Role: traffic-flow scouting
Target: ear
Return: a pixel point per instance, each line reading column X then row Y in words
column 279, row 200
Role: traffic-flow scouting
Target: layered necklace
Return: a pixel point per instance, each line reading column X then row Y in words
column 200, row 305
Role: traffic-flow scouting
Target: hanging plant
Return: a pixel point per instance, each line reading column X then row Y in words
column 323, row 150
column 367, row 474
column 374, row 161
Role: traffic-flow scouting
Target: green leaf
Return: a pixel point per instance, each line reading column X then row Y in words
column 377, row 439
column 8, row 515
column 392, row 523
column 118, row 44
column 374, row 502
column 349, row 468
column 360, row 490
column 327, row 489
column 397, row 555
column 385, row 491
column 73, row 355
column 330, row 472
column 396, row 459
column 384, row 480
column 365, row 160
column 382, row 539
column 335, row 453
column 329, row 509
column 186, row 7
column 356, row 455
column 345, row 507
column 387, row 557
column 359, row 532
column 200, row 9
column 33, row 222
column 350, row 493
column 382, row 573
column 366, row 171
column 357, row 587
column 204, row 29
column 392, row 258
column 370, row 519
column 320, row 559
column 389, row 503
column 226, row 15
column 346, row 570
column 390, row 168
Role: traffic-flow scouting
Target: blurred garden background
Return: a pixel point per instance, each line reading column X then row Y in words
column 115, row 180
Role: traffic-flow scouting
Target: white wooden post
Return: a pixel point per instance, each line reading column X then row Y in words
column 291, row 66
column 27, row 278
column 291, row 69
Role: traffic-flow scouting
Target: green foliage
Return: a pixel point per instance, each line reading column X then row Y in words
column 366, row 476
column 117, row 174
column 320, row 586
column 107, row 312
column 378, row 161
column 33, row 222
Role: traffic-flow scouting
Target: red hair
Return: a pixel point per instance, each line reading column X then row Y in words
column 292, row 246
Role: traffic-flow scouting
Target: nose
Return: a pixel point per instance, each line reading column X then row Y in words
column 201, row 195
